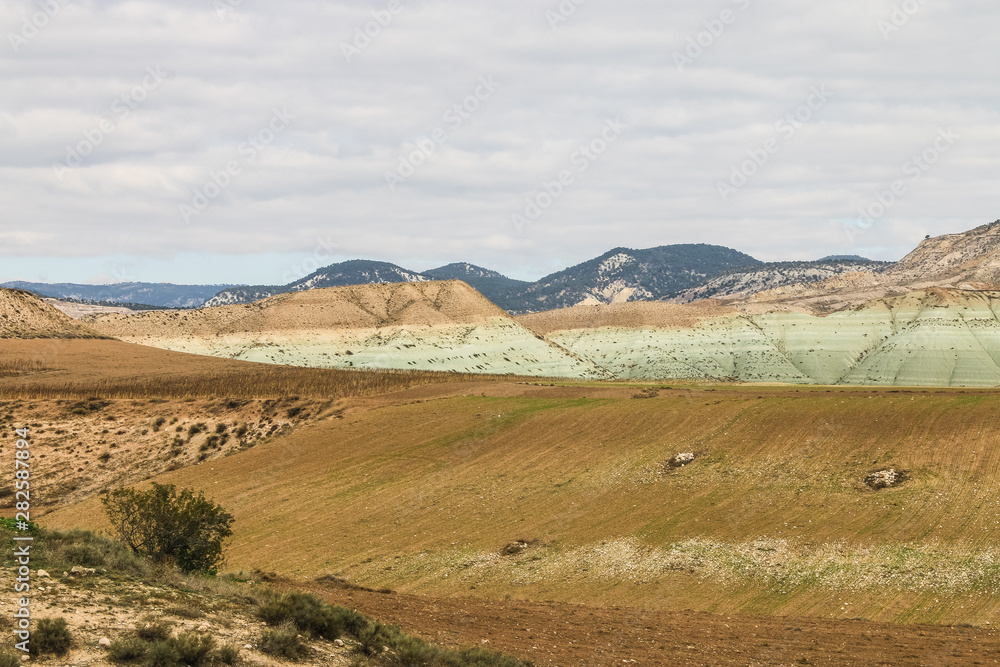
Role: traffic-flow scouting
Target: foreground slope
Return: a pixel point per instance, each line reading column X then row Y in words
column 567, row 493
column 441, row 326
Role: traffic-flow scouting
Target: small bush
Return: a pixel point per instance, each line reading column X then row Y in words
column 373, row 637
column 159, row 422
column 162, row 654
column 127, row 649
column 153, row 632
column 9, row 659
column 306, row 612
column 283, row 643
column 227, row 655
column 193, row 649
column 413, row 652
column 184, row 611
column 51, row 635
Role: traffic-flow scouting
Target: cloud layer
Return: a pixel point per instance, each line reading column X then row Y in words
column 425, row 132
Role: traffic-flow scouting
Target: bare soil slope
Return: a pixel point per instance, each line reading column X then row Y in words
column 24, row 315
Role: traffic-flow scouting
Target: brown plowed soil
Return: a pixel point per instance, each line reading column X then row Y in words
column 551, row 633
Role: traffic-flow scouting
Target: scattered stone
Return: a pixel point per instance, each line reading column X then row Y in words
column 203, row 628
column 82, row 570
column 248, row 647
column 681, row 460
column 517, row 547
column 42, row 573
column 883, row 479
column 338, row 642
column 104, row 641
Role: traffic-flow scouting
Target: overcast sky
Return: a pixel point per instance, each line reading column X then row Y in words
column 250, row 142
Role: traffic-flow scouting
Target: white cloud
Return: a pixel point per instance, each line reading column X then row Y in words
column 324, row 174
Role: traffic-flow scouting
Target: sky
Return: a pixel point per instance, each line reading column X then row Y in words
column 243, row 141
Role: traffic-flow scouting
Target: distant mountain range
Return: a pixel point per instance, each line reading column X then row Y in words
column 163, row 295
column 680, row 272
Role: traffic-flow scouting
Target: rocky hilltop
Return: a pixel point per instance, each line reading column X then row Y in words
column 970, row 260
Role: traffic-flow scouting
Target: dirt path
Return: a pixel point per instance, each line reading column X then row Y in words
column 568, row 635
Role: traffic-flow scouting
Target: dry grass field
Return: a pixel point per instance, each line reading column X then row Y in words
column 504, row 490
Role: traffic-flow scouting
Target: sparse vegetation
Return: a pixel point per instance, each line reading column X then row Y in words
column 129, row 648
column 283, row 643
column 51, row 635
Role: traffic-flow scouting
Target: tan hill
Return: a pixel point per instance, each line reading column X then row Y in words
column 24, row 315
column 972, row 257
column 443, row 326
column 969, row 261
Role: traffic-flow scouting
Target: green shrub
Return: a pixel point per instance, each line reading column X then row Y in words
column 193, row 649
column 306, row 612
column 227, row 655
column 477, row 657
column 169, row 526
column 373, row 637
column 153, row 632
column 127, row 649
column 9, row 659
column 283, row 643
column 184, row 611
column 51, row 635
column 413, row 652
column 162, row 654
column 84, row 554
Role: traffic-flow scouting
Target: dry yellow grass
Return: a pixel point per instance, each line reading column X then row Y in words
column 771, row 517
